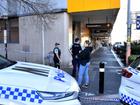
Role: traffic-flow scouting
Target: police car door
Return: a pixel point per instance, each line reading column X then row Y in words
column 132, row 78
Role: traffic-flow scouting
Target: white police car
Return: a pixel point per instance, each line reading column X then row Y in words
column 33, row 84
column 129, row 90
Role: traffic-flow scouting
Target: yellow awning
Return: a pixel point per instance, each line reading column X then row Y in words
column 90, row 5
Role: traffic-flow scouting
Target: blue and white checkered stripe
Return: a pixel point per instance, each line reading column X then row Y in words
column 129, row 100
column 24, row 95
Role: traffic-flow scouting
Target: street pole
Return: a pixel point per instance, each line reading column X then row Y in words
column 128, row 45
column 5, row 37
column 43, row 41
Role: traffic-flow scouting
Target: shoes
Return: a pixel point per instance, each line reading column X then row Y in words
column 85, row 86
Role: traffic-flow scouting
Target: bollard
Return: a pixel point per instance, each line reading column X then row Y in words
column 101, row 77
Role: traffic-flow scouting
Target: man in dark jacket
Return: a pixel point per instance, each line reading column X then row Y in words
column 84, row 59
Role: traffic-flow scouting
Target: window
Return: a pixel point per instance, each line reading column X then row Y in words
column 5, row 62
column 12, row 26
column 136, row 64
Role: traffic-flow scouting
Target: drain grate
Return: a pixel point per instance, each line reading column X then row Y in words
column 84, row 97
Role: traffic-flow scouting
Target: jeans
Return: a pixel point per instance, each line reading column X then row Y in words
column 83, row 71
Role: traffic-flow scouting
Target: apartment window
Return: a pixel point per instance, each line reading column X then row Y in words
column 12, row 26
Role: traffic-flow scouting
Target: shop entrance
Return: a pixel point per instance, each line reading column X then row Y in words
column 94, row 25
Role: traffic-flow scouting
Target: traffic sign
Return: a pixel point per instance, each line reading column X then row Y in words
column 138, row 23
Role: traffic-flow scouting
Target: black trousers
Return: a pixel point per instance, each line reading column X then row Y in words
column 56, row 63
column 75, row 63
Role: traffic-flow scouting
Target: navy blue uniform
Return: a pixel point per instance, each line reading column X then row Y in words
column 76, row 48
column 56, row 50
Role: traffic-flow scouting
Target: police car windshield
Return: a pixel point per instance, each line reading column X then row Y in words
column 136, row 64
column 5, row 62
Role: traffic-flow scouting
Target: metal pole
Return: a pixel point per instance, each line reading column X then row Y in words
column 5, row 37
column 101, row 77
column 128, row 46
column 43, row 42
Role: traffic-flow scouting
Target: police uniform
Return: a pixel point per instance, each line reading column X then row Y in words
column 56, row 50
column 75, row 51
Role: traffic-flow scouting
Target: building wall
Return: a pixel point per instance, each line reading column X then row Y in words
column 59, row 33
column 30, row 38
column 30, row 47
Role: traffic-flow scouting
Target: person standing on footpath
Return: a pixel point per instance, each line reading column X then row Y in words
column 84, row 60
column 75, row 49
column 57, row 55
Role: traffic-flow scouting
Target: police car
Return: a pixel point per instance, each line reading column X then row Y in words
column 33, row 84
column 129, row 90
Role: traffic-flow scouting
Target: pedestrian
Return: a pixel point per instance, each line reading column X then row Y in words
column 75, row 49
column 57, row 55
column 84, row 59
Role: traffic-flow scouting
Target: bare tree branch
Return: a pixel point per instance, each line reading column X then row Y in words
column 28, row 7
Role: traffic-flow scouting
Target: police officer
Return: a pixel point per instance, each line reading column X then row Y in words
column 75, row 49
column 57, row 54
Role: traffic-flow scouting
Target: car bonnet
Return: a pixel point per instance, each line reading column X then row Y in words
column 35, row 76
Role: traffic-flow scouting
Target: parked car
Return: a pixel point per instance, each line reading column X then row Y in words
column 117, row 45
column 24, row 83
column 129, row 91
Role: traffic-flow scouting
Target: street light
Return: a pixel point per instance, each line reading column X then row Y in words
column 128, row 45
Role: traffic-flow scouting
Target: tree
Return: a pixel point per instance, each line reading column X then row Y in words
column 10, row 8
